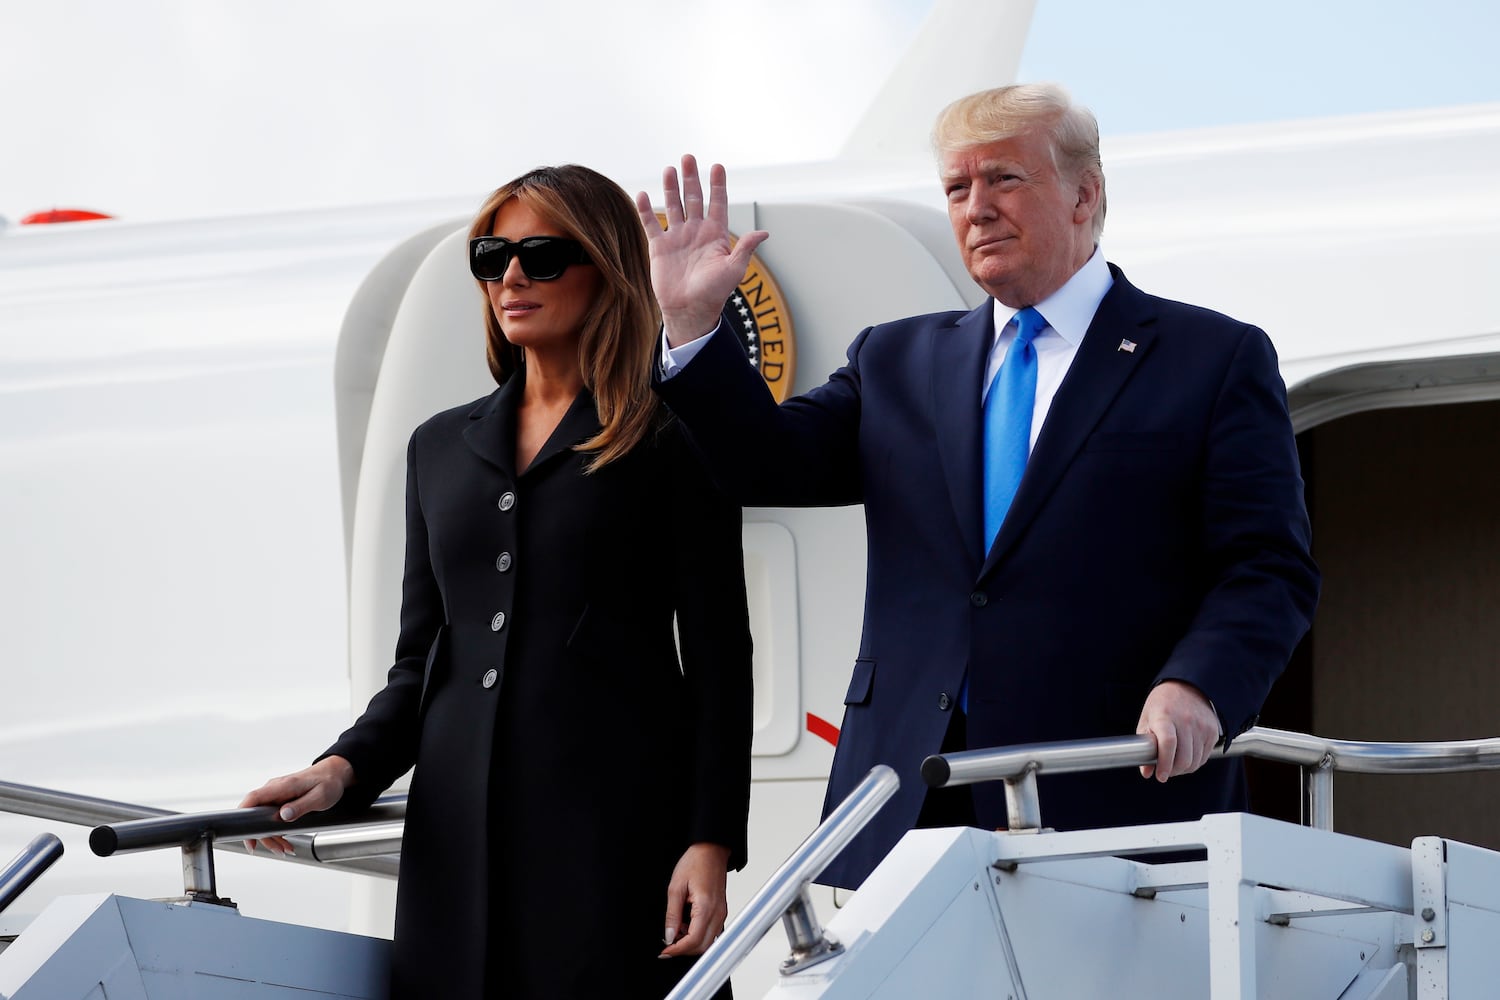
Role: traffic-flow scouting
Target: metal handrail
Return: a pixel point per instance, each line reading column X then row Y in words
column 351, row 853
column 1446, row 757
column 254, row 823
column 1318, row 758
column 784, row 895
column 196, row 833
column 361, row 843
column 67, row 807
column 35, row 858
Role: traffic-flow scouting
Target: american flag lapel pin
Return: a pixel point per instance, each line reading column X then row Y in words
column 1128, row 346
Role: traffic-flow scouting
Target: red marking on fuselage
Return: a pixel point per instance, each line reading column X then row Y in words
column 823, row 728
column 56, row 215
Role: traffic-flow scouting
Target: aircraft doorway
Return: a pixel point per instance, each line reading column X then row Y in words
column 1405, row 505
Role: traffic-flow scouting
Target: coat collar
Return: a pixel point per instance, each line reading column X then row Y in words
column 491, row 433
column 1100, row 369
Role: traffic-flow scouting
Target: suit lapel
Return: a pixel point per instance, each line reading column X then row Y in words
column 1099, row 370
column 958, row 357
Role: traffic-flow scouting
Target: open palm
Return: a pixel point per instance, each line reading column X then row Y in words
column 695, row 265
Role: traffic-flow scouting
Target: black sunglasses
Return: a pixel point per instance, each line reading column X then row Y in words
column 543, row 258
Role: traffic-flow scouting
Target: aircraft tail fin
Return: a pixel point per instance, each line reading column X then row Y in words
column 962, row 47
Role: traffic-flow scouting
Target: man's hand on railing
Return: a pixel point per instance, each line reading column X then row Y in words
column 1185, row 726
column 311, row 789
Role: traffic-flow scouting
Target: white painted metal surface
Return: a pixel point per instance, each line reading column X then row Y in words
column 117, row 948
column 1273, row 911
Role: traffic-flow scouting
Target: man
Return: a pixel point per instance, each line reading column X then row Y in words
column 1082, row 502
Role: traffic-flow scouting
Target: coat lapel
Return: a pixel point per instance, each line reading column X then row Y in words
column 580, row 423
column 1099, row 371
column 958, row 356
column 491, row 433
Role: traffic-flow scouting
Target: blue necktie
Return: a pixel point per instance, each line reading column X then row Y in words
column 1007, row 423
column 1007, row 433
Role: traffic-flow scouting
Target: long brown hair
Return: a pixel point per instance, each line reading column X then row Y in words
column 619, row 333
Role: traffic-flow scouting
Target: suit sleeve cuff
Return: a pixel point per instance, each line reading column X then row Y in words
column 675, row 359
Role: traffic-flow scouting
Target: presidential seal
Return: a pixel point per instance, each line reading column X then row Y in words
column 757, row 313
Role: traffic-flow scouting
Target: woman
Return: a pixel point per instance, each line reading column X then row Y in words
column 573, row 782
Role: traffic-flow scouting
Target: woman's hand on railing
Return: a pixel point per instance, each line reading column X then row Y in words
column 311, row 789
column 700, row 880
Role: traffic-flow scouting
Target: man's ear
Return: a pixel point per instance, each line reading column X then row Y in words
column 1090, row 192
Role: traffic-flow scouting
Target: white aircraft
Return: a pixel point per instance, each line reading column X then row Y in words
column 203, row 423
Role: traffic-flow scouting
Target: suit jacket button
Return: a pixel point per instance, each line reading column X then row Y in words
column 979, row 598
column 490, row 677
column 498, row 622
column 507, row 500
column 503, row 563
column 944, row 702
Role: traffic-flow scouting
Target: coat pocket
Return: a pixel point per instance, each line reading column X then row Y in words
column 861, row 683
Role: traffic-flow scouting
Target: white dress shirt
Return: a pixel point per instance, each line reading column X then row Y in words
column 674, row 359
column 1068, row 312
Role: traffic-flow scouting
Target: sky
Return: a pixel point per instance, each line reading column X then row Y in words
column 182, row 108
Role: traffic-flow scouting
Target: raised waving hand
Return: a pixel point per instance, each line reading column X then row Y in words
column 694, row 265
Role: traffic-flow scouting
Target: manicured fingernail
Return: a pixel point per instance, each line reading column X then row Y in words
column 669, row 936
column 288, row 813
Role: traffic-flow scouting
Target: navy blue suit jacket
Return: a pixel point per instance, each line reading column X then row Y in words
column 1159, row 533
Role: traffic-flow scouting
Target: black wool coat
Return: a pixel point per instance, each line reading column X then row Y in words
column 565, row 755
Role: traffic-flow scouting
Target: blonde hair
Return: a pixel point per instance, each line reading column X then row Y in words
column 619, row 332
column 1005, row 112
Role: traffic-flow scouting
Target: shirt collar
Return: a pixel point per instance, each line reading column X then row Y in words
column 1071, row 308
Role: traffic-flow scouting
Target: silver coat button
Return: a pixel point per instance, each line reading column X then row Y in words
column 944, row 702
column 503, row 563
column 507, row 500
column 498, row 622
column 490, row 677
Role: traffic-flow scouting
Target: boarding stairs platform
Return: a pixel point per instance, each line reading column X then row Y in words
column 1270, row 910
column 1273, row 909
